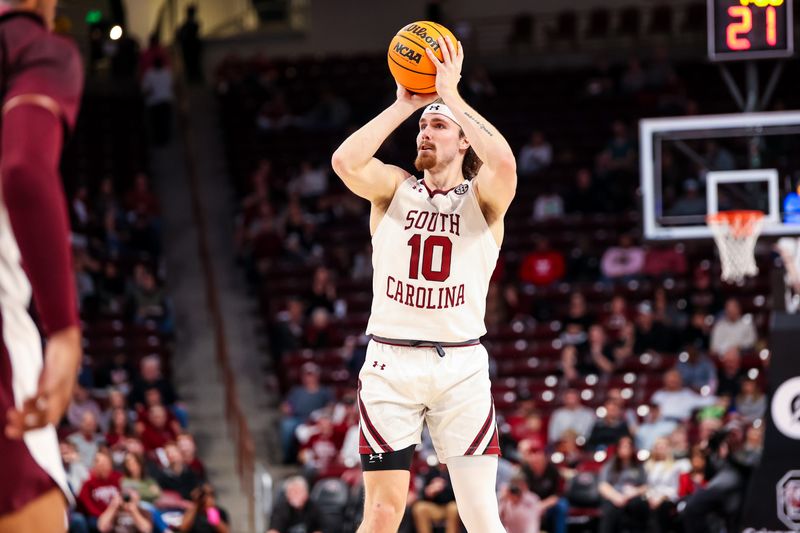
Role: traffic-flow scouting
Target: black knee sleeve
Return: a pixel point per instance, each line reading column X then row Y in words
column 397, row 460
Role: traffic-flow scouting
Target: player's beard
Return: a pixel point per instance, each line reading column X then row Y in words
column 425, row 160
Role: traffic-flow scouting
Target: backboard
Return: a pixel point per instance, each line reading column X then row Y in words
column 699, row 165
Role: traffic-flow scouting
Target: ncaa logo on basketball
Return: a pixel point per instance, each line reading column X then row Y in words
column 788, row 498
column 785, row 408
column 408, row 53
column 462, row 189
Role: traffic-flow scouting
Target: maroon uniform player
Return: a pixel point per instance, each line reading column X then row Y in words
column 40, row 85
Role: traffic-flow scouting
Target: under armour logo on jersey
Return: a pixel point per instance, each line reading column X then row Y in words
column 375, row 364
column 375, row 458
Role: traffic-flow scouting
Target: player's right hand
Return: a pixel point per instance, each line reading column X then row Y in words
column 61, row 362
column 414, row 99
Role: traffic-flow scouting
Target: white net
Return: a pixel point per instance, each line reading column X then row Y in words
column 736, row 233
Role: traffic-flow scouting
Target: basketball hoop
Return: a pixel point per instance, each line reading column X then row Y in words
column 736, row 233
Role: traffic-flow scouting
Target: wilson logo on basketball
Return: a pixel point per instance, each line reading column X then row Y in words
column 408, row 53
column 422, row 33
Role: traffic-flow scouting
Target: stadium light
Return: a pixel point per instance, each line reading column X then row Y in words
column 115, row 33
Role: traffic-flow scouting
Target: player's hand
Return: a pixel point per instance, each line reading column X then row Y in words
column 61, row 362
column 415, row 100
column 448, row 71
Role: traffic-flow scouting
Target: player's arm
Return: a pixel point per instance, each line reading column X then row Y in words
column 496, row 181
column 32, row 137
column 354, row 161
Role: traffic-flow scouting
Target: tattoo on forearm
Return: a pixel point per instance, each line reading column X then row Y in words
column 480, row 124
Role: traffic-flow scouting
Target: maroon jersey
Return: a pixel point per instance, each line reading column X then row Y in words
column 40, row 87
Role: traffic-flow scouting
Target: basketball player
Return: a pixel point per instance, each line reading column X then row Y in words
column 40, row 86
column 435, row 241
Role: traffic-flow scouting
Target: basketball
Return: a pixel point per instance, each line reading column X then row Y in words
column 408, row 63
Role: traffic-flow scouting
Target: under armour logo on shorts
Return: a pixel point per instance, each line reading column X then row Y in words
column 375, row 364
column 378, row 457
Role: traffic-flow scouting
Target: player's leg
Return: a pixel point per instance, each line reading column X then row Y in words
column 473, row 478
column 385, row 500
column 45, row 514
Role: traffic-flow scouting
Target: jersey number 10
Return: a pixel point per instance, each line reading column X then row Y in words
column 431, row 243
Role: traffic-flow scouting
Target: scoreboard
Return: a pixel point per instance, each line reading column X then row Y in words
column 750, row 29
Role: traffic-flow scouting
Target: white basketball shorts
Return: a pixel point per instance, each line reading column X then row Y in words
column 400, row 387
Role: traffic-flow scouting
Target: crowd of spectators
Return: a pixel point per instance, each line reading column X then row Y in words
column 652, row 459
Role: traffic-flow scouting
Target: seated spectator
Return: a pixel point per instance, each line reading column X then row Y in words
column 543, row 266
column 323, row 291
column 623, row 485
column 188, row 450
column 151, row 377
column 568, row 447
column 663, row 262
column 77, row 472
column 698, row 370
column 534, row 156
column 698, row 330
column 585, row 198
column 732, row 455
column 321, row 449
column 731, row 374
column 123, row 515
column 703, row 295
column 297, row 513
column 544, row 480
column 150, row 303
column 679, row 443
column 732, row 330
column 633, row 79
column 596, row 357
column 331, row 112
column 624, row 261
column 136, row 479
column 478, row 83
column 651, row 335
column 578, row 312
column 177, row 476
column 301, row 401
column 619, row 156
column 100, row 489
column 436, row 503
column 204, row 515
column 677, row 402
column 691, row 203
column 310, row 183
column 667, row 312
column 119, row 428
column 662, row 486
column 320, row 333
column 695, row 478
column 571, row 416
column 529, row 426
column 653, row 428
column 609, row 428
column 751, row 403
column 86, row 440
column 618, row 316
column 519, row 508
column 156, row 431
column 81, row 403
column 288, row 328
column 117, row 373
column 548, row 205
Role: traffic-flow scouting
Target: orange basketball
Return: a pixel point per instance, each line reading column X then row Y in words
column 407, row 60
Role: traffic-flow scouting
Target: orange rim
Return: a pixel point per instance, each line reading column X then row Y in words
column 741, row 223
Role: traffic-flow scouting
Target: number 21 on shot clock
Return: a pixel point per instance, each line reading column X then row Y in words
column 749, row 29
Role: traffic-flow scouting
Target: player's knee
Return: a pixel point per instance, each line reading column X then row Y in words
column 383, row 515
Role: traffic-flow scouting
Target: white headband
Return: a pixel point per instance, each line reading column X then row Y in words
column 440, row 109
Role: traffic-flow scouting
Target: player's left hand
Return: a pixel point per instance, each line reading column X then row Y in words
column 448, row 71
column 61, row 361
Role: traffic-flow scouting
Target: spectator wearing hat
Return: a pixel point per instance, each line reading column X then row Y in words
column 520, row 509
column 301, row 401
column 544, row 481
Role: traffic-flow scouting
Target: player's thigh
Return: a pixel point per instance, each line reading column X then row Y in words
column 462, row 418
column 386, row 488
column 45, row 514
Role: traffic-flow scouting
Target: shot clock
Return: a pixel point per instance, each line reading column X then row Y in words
column 749, row 29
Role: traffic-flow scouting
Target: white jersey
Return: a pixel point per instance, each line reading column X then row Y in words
column 433, row 256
